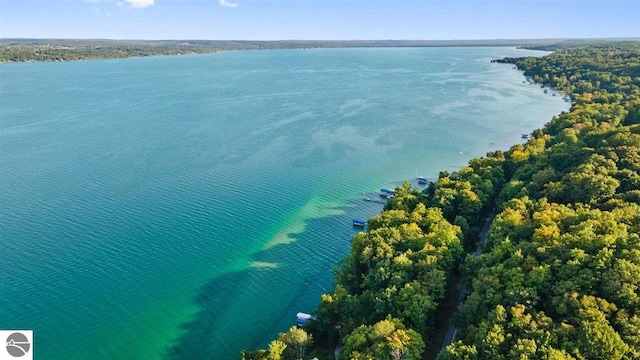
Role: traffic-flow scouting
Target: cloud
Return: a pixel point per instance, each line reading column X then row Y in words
column 101, row 13
column 227, row 3
column 140, row 3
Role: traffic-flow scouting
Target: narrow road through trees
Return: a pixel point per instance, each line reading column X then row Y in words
column 451, row 330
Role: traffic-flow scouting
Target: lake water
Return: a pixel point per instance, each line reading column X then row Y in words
column 188, row 207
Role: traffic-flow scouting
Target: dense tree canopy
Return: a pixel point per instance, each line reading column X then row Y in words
column 385, row 340
column 561, row 277
column 560, row 274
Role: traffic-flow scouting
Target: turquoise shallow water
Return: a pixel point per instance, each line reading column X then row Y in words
column 187, row 207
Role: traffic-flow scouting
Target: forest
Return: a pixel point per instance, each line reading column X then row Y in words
column 559, row 276
column 21, row 50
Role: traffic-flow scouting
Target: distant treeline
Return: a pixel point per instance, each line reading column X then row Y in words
column 14, row 50
column 560, row 274
column 70, row 50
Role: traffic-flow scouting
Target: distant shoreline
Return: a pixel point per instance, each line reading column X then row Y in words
column 62, row 50
column 132, row 56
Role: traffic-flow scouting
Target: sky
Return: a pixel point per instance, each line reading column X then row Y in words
column 319, row 19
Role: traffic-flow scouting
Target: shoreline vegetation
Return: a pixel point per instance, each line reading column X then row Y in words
column 26, row 50
column 559, row 275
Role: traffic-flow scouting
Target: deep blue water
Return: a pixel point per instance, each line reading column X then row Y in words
column 187, row 207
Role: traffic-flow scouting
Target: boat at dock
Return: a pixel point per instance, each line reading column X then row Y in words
column 303, row 318
column 423, row 180
column 359, row 222
column 387, row 193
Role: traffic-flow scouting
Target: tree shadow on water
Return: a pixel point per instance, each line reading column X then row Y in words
column 247, row 308
column 205, row 334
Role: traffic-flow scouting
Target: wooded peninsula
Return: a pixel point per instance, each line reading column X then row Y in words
column 559, row 276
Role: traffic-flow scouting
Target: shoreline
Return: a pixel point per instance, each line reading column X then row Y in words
column 512, row 196
column 284, row 49
column 454, row 168
column 267, row 49
column 63, row 50
column 506, row 70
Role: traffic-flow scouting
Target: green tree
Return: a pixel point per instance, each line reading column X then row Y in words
column 296, row 339
column 386, row 340
column 276, row 347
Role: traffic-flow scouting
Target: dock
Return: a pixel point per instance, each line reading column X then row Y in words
column 373, row 198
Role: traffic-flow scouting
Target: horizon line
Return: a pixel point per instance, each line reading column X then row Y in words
column 632, row 38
